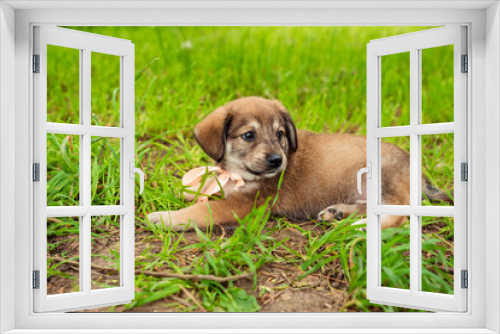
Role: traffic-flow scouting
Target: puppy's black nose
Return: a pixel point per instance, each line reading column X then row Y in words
column 274, row 160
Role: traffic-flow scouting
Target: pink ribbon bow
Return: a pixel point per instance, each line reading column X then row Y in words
column 193, row 177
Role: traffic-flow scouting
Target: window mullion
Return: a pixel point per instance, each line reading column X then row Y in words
column 415, row 171
column 85, row 167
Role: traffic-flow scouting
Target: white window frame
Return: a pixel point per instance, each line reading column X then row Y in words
column 484, row 148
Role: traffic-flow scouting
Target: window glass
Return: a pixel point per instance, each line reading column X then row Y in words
column 395, row 94
column 105, row 103
column 63, row 85
column 63, row 255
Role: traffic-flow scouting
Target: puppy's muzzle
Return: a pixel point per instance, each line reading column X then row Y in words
column 274, row 160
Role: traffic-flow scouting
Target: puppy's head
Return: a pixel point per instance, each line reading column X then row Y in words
column 250, row 136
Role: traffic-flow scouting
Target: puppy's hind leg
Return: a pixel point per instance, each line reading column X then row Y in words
column 341, row 211
column 387, row 222
column 392, row 221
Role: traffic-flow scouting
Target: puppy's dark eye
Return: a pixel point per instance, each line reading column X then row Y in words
column 279, row 135
column 248, row 136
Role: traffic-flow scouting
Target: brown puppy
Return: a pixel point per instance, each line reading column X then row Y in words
column 257, row 139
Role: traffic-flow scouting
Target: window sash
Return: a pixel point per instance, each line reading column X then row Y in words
column 413, row 43
column 86, row 43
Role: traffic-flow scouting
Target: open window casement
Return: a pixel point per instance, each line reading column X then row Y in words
column 71, row 143
column 414, row 293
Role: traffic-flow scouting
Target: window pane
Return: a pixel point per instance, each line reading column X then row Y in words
column 105, row 171
column 438, row 168
column 395, row 252
column 105, row 104
column 63, row 255
column 437, row 84
column 105, row 252
column 63, row 170
column 63, row 84
column 395, row 95
column 395, row 170
column 437, row 254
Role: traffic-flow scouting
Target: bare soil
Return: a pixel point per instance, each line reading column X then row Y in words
column 278, row 286
column 324, row 291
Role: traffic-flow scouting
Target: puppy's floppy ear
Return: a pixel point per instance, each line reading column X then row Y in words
column 210, row 133
column 291, row 131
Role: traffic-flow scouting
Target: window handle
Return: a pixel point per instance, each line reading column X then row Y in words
column 139, row 171
column 368, row 171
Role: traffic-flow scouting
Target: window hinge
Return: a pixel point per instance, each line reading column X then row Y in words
column 465, row 279
column 36, row 63
column 465, row 171
column 36, row 172
column 465, row 64
column 36, row 279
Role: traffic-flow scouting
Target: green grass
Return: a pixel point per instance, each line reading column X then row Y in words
column 182, row 74
column 246, row 250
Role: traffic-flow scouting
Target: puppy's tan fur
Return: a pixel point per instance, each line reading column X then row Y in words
column 320, row 177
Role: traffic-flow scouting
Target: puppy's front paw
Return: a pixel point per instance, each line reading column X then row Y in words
column 363, row 221
column 158, row 218
column 331, row 213
column 173, row 219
